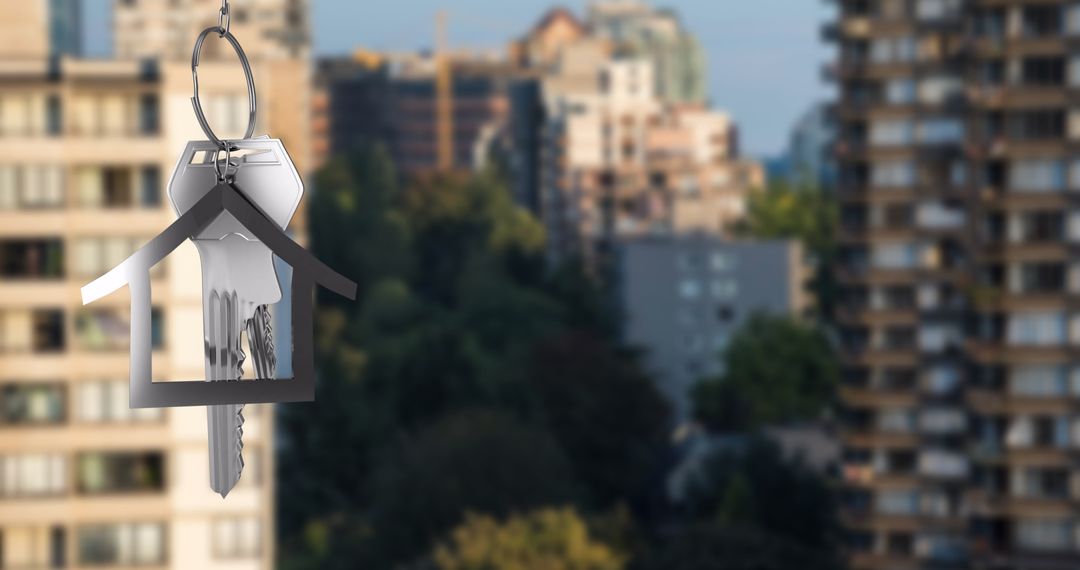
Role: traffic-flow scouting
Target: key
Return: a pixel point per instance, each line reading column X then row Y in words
column 238, row 276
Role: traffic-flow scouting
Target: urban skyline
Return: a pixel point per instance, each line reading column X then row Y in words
column 765, row 84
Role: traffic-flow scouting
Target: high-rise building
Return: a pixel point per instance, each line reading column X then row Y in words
column 86, row 150
column 957, row 174
column 809, row 157
column 276, row 29
column 684, row 297
column 65, row 27
column 637, row 30
column 618, row 162
column 393, row 99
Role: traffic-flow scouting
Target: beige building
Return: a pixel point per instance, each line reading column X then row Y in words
column 618, row 162
column 272, row 29
column 86, row 150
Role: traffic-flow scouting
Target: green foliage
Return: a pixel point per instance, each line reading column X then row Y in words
column 710, row 546
column 806, row 213
column 457, row 312
column 475, row 461
column 468, row 378
column 549, row 539
column 777, row 369
column 755, row 486
column 605, row 412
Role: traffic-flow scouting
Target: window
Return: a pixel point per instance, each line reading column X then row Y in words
column 122, row 545
column 1043, row 71
column 896, row 421
column 1036, row 329
column 32, row 259
column 1044, row 534
column 725, row 314
column 29, row 404
column 31, row 187
column 1038, row 381
column 942, row 421
column 892, row 50
column 898, row 502
column 941, row 131
column 109, row 329
column 893, row 174
column 891, row 133
column 722, row 262
column 54, row 115
column 109, row 187
column 1037, row 176
column 39, row 547
column 894, row 256
column 150, row 194
column 237, row 538
column 103, row 473
column 939, row 89
column 149, row 116
column 40, row 475
column 724, row 288
column 107, row 402
column 940, row 463
column 1038, row 278
column 94, row 256
column 690, row 289
column 38, row 330
column 900, row 91
column 931, row 10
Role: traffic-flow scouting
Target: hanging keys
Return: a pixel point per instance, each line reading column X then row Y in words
column 216, row 184
column 239, row 279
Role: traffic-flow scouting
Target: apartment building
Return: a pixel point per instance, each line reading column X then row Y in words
column 273, row 29
column 618, row 162
column 683, row 297
column 86, row 150
column 957, row 130
column 393, row 99
column 636, row 29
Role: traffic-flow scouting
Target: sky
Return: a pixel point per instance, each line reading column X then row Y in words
column 765, row 56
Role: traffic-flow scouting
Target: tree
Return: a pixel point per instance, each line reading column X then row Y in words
column 778, row 368
column 711, row 546
column 456, row 313
column 551, row 539
column 755, row 486
column 477, row 461
column 806, row 213
column 606, row 414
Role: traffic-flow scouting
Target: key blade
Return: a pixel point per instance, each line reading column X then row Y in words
column 224, row 362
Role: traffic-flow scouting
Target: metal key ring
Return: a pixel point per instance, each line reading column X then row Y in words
column 252, row 102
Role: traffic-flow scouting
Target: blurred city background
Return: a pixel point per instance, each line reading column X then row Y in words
column 670, row 285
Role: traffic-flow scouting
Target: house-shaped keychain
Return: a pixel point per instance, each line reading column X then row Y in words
column 135, row 273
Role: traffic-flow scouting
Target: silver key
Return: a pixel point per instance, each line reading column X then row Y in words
column 239, row 279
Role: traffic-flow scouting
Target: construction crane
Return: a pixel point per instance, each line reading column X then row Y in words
column 444, row 93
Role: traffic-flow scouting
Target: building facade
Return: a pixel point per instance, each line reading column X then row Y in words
column 617, row 162
column 277, row 29
column 957, row 132
column 393, row 99
column 88, row 147
column 683, row 298
column 638, row 30
column 809, row 157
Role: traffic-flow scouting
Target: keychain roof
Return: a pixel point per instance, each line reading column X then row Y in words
column 135, row 273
